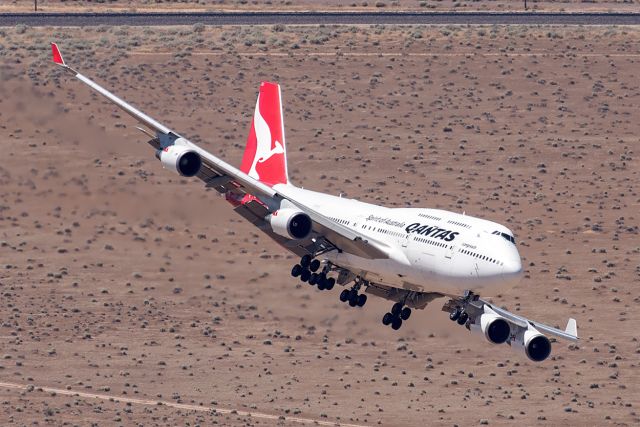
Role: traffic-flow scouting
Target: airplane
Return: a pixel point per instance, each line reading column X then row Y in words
column 410, row 256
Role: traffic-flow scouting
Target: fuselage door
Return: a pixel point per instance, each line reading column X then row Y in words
column 405, row 240
column 450, row 250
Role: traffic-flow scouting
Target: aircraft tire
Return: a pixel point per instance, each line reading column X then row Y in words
column 305, row 275
column 313, row 279
column 463, row 318
column 396, row 323
column 397, row 308
column 321, row 282
column 353, row 299
column 314, row 265
column 305, row 261
column 405, row 313
column 344, row 295
column 330, row 283
column 362, row 300
column 455, row 314
column 296, row 270
column 387, row 318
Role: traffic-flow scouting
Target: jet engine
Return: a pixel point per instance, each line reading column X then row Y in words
column 180, row 159
column 494, row 328
column 290, row 223
column 536, row 346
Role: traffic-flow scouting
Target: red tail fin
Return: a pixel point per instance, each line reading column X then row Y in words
column 265, row 156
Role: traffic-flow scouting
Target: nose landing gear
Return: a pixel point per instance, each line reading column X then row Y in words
column 459, row 315
column 459, row 309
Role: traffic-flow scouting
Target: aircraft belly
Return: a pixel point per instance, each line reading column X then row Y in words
column 382, row 270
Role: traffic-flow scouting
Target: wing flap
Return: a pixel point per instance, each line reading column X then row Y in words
column 250, row 215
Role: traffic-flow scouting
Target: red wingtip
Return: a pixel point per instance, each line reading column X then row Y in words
column 57, row 56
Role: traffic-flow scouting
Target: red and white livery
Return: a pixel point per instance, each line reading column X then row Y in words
column 265, row 157
column 410, row 256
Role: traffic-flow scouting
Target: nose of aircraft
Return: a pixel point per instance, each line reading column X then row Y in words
column 512, row 266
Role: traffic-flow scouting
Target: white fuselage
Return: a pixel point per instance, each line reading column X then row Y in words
column 432, row 250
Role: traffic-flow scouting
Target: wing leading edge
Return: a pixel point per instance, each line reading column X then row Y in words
column 226, row 178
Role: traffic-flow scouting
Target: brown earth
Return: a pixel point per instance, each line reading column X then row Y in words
column 375, row 5
column 119, row 278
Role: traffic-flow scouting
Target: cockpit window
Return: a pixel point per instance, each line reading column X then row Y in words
column 505, row 236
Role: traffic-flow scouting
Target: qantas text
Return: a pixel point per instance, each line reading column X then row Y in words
column 431, row 231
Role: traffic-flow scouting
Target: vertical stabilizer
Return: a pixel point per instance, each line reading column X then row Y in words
column 265, row 156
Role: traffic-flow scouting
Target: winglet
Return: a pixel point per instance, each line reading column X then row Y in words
column 572, row 327
column 57, row 56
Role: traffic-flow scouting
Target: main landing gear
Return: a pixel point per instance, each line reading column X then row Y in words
column 352, row 296
column 397, row 314
column 307, row 272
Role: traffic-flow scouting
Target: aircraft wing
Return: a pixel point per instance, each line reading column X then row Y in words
column 570, row 332
column 215, row 172
column 226, row 179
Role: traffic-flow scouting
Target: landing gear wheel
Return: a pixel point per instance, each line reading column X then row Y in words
column 329, row 283
column 344, row 295
column 353, row 299
column 362, row 300
column 396, row 323
column 305, row 275
column 322, row 282
column 387, row 319
column 296, row 270
column 405, row 313
column 463, row 318
column 305, row 261
column 455, row 314
column 313, row 279
column 314, row 265
column 397, row 308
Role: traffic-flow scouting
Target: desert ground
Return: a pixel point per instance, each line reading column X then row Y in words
column 120, row 279
column 338, row 5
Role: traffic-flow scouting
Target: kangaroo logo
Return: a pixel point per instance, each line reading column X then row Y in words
column 265, row 155
column 264, row 151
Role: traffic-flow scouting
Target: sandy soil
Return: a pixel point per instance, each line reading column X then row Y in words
column 119, row 278
column 370, row 5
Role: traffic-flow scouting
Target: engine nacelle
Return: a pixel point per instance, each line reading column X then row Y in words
column 536, row 346
column 290, row 223
column 495, row 328
column 181, row 159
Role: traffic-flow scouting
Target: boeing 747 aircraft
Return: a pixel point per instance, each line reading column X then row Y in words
column 410, row 256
